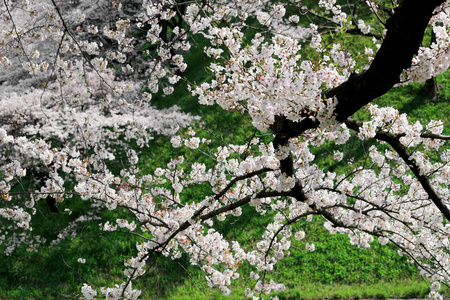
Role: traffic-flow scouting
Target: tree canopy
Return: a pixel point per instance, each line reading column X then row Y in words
column 78, row 81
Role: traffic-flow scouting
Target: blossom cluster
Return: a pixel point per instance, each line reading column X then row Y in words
column 434, row 59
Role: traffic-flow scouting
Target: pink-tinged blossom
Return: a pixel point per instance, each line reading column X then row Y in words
column 88, row 292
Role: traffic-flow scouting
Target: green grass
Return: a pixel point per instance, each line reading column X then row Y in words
column 382, row 290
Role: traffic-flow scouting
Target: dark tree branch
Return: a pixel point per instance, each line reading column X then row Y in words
column 405, row 31
column 335, row 25
column 357, row 31
column 394, row 141
column 403, row 39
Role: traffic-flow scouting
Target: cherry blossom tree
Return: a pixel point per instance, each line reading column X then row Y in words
column 84, row 98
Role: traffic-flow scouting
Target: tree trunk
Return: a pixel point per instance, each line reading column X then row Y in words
column 433, row 88
column 405, row 31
